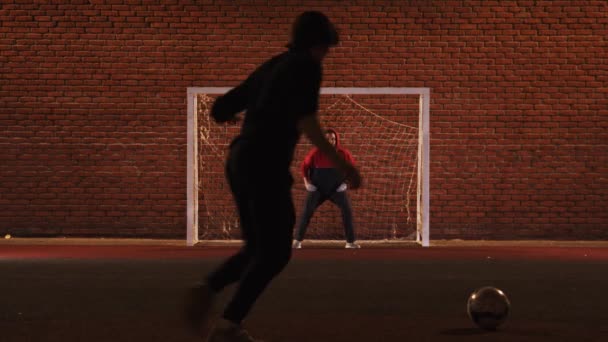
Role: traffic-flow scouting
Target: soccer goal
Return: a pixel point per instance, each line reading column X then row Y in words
column 386, row 130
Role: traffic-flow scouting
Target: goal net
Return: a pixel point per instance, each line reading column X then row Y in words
column 386, row 131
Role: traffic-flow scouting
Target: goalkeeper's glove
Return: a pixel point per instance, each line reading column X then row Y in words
column 310, row 187
column 342, row 187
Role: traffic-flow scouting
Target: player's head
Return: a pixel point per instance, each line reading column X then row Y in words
column 313, row 31
column 331, row 136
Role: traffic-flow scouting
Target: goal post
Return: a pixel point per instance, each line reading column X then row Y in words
column 382, row 138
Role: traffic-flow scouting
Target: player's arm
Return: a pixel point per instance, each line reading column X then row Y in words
column 310, row 126
column 226, row 107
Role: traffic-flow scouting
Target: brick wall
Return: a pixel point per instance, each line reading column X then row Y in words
column 93, row 111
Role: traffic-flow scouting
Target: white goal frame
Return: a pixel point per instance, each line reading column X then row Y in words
column 422, row 196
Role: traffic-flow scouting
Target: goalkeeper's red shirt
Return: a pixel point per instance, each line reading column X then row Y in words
column 321, row 171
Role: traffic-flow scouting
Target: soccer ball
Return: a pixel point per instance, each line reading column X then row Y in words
column 488, row 307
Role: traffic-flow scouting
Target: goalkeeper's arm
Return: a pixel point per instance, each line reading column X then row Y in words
column 305, row 169
column 309, row 186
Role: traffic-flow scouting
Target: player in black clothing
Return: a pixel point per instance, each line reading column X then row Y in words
column 281, row 99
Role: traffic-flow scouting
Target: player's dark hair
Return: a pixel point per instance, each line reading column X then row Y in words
column 313, row 28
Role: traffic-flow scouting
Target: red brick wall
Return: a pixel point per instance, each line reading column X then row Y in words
column 93, row 111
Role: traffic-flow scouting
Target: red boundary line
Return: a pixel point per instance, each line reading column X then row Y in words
column 406, row 253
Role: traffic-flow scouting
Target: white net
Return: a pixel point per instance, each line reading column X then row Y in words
column 381, row 132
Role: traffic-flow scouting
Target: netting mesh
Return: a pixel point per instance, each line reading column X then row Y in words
column 381, row 131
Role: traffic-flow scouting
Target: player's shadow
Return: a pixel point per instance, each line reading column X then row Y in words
column 464, row 332
column 511, row 332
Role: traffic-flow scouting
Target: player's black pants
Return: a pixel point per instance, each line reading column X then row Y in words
column 314, row 199
column 265, row 206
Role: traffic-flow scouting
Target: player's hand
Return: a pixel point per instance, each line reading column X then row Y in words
column 342, row 187
column 353, row 177
column 310, row 187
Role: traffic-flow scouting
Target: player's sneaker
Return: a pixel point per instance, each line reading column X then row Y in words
column 297, row 244
column 351, row 245
column 199, row 302
column 226, row 331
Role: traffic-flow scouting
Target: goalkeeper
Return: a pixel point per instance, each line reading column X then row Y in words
column 323, row 182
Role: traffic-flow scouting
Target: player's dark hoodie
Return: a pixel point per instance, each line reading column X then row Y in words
column 321, row 172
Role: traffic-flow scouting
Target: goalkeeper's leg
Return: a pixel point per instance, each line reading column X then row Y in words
column 341, row 200
column 313, row 200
